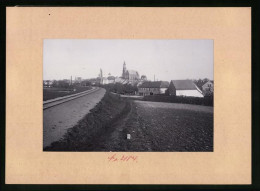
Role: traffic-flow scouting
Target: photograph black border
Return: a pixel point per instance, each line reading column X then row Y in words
column 254, row 4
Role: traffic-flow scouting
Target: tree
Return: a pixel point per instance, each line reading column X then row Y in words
column 64, row 84
column 86, row 83
column 55, row 83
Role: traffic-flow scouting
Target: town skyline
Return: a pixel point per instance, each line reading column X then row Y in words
column 166, row 59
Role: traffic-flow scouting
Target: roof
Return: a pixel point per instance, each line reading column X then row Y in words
column 111, row 78
column 184, row 85
column 156, row 84
column 132, row 72
column 211, row 82
column 208, row 82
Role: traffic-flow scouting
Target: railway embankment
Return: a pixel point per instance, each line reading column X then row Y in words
column 98, row 121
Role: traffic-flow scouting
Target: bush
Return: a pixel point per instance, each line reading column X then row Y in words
column 121, row 88
column 207, row 100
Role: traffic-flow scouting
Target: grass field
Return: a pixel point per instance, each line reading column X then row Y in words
column 51, row 93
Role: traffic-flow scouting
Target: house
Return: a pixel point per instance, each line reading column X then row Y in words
column 153, row 88
column 47, row 83
column 208, row 87
column 184, row 88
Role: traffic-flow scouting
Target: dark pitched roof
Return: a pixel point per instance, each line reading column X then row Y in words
column 132, row 72
column 207, row 82
column 143, row 77
column 184, row 85
column 156, row 84
column 111, row 78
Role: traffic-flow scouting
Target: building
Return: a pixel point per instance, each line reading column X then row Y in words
column 47, row 83
column 208, row 87
column 184, row 88
column 106, row 80
column 78, row 80
column 143, row 78
column 128, row 77
column 120, row 80
column 111, row 79
column 153, row 88
column 131, row 76
column 93, row 81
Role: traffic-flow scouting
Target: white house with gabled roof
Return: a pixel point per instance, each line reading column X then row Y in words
column 208, row 86
column 184, row 88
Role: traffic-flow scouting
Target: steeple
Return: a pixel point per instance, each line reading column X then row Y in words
column 124, row 70
column 101, row 73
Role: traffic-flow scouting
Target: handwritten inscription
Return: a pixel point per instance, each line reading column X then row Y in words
column 122, row 158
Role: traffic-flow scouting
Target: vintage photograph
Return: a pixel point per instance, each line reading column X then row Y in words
column 128, row 95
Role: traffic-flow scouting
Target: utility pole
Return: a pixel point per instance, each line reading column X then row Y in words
column 101, row 76
column 154, row 77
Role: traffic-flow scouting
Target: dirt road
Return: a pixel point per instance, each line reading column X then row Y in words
column 156, row 126
column 57, row 119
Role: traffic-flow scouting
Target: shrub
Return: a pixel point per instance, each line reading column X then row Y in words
column 207, row 100
column 121, row 88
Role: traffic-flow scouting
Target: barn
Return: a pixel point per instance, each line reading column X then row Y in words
column 184, row 88
column 153, row 88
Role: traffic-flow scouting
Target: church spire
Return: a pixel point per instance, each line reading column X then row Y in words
column 101, row 73
column 124, row 70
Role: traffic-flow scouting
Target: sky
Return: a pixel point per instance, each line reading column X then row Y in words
column 166, row 59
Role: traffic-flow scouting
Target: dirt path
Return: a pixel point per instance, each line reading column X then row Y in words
column 58, row 119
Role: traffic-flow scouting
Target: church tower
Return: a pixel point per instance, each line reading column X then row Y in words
column 124, row 71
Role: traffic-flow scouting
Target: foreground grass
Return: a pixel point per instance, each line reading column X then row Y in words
column 82, row 136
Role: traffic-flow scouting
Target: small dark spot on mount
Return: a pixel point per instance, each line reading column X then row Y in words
column 49, row 14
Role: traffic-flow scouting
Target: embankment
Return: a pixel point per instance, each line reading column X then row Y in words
column 100, row 119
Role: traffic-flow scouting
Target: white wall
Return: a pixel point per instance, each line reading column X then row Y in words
column 105, row 81
column 193, row 93
column 162, row 90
